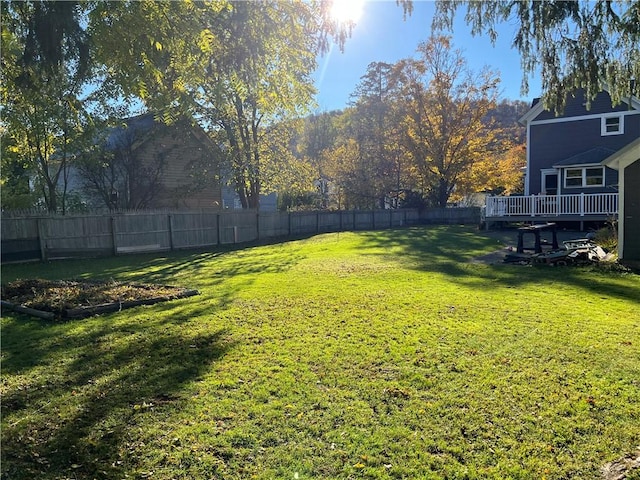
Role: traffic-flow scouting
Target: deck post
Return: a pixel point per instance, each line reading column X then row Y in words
column 582, row 204
column 533, row 205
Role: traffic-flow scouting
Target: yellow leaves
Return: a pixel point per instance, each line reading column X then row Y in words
column 205, row 41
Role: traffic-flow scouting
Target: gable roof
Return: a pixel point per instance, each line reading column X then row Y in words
column 624, row 157
column 590, row 157
column 537, row 107
column 131, row 128
column 136, row 130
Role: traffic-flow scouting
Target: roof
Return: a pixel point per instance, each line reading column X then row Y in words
column 537, row 107
column 137, row 129
column 590, row 157
column 624, row 157
column 130, row 128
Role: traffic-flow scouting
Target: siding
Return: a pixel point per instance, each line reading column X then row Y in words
column 576, row 107
column 189, row 173
column 551, row 143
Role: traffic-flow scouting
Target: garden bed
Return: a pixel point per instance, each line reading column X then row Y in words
column 52, row 299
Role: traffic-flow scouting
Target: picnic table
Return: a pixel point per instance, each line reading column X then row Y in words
column 535, row 230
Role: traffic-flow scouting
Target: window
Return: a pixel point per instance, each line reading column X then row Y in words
column 612, row 125
column 594, row 177
column 573, row 178
column 584, row 177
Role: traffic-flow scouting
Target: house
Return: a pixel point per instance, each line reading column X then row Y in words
column 565, row 178
column 146, row 163
column 627, row 162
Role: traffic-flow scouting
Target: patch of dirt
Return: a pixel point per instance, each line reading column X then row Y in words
column 493, row 258
column 63, row 296
column 623, row 467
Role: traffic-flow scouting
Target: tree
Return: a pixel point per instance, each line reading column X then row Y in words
column 446, row 105
column 118, row 174
column 262, row 76
column 44, row 68
column 283, row 171
column 238, row 66
column 318, row 138
column 376, row 124
column 576, row 44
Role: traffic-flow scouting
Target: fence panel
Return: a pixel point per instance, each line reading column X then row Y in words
column 141, row 232
column 20, row 239
column 348, row 220
column 273, row 224
column 91, row 235
column 398, row 218
column 194, row 229
column 304, row 223
column 363, row 220
column 381, row 219
column 238, row 227
column 451, row 216
column 329, row 222
column 82, row 236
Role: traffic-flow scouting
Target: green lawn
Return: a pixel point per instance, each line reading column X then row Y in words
column 352, row 355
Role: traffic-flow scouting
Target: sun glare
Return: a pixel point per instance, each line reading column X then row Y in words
column 347, row 11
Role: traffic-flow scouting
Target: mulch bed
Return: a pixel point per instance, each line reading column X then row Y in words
column 56, row 299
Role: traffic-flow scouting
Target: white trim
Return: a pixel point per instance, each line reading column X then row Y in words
column 533, row 112
column 603, row 124
column 579, row 165
column 538, row 108
column 584, row 117
column 624, row 157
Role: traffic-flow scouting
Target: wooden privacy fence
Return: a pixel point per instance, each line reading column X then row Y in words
column 52, row 237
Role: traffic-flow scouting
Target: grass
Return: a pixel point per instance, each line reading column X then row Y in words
column 353, row 355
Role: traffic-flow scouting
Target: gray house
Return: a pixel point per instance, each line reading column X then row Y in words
column 566, row 178
column 145, row 163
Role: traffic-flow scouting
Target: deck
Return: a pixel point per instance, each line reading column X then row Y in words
column 553, row 208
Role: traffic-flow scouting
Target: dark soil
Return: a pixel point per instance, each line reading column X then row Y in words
column 58, row 296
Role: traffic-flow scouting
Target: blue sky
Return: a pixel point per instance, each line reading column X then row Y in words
column 382, row 35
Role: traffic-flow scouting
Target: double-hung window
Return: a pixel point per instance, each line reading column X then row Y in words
column 612, row 125
column 584, row 177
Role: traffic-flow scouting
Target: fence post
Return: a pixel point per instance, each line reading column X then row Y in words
column 218, row 228
column 114, row 236
column 317, row 222
column 41, row 240
column 289, row 223
column 170, row 218
column 258, row 224
column 533, row 206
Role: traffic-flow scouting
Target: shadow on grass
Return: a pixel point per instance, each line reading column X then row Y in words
column 198, row 270
column 78, row 391
column 448, row 250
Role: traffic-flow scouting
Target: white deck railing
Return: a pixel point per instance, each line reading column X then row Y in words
column 582, row 204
